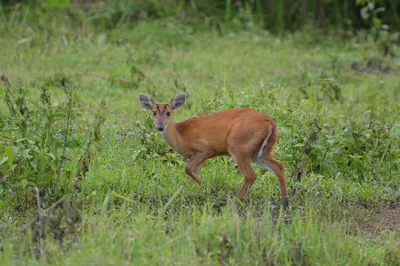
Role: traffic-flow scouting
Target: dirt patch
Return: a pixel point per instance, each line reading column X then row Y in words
column 371, row 65
column 385, row 219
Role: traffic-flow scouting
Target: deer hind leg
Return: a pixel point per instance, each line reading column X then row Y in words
column 193, row 166
column 198, row 169
column 247, row 171
column 267, row 161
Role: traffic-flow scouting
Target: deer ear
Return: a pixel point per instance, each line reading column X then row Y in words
column 145, row 101
column 178, row 101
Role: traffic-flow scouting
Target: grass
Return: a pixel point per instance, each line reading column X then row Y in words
column 339, row 139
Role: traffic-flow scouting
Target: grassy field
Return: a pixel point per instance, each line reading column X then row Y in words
column 121, row 195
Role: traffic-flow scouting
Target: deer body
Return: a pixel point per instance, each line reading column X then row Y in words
column 245, row 134
column 217, row 132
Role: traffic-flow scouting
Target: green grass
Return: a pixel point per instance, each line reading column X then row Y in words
column 136, row 204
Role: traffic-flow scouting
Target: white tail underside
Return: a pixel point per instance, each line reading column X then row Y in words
column 260, row 153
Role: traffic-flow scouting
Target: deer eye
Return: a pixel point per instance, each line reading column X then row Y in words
column 154, row 113
column 168, row 113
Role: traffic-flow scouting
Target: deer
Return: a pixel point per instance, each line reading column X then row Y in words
column 245, row 134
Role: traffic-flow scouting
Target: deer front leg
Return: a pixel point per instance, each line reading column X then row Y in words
column 193, row 166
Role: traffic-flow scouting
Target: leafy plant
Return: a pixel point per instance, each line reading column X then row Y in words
column 31, row 140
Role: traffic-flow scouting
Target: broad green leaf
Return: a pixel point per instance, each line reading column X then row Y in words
column 60, row 114
column 13, row 166
column 23, row 183
column 10, row 154
column 59, row 3
column 25, row 154
column 34, row 163
column 5, row 159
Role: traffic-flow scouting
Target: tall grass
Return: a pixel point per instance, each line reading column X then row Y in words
column 206, row 238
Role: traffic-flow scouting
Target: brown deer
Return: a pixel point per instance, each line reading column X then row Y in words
column 247, row 135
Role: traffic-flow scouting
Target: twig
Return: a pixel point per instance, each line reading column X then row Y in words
column 39, row 217
column 306, row 151
column 42, row 212
column 70, row 97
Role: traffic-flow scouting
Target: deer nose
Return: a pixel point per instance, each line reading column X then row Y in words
column 160, row 128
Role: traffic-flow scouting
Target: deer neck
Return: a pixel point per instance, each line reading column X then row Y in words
column 172, row 137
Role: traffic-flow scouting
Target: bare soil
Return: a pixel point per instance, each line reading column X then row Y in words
column 387, row 218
